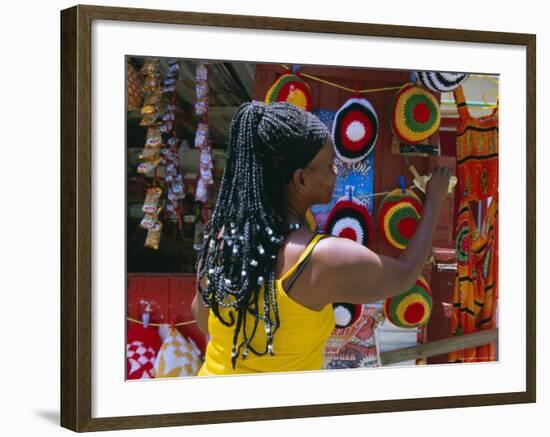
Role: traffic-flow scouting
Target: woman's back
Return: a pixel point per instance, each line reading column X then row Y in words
column 299, row 341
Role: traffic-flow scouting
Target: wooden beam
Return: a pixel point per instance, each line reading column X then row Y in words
column 439, row 347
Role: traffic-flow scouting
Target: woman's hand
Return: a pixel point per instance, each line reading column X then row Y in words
column 438, row 186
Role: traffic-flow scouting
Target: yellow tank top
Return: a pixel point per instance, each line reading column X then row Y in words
column 298, row 343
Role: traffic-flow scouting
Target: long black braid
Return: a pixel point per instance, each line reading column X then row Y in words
column 267, row 143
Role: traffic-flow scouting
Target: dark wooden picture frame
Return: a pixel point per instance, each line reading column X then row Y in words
column 76, row 217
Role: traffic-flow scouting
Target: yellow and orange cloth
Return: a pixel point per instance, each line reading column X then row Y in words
column 475, row 296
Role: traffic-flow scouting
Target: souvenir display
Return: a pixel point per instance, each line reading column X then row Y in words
column 178, row 356
column 476, row 152
column 354, row 341
column 415, row 114
column 398, row 216
column 292, row 89
column 142, row 346
column 153, row 235
column 475, row 296
column 355, row 130
column 412, row 308
column 345, row 314
column 133, row 88
column 350, row 218
column 440, row 81
column 202, row 140
column 201, row 89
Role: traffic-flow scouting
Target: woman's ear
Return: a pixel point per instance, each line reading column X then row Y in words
column 298, row 180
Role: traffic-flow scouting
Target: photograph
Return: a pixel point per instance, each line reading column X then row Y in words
column 315, row 210
column 296, row 217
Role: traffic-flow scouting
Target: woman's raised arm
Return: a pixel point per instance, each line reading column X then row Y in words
column 350, row 272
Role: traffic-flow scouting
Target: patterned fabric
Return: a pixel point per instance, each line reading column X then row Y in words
column 441, row 82
column 355, row 130
column 476, row 152
column 142, row 345
column 412, row 308
column 177, row 357
column 292, row 89
column 475, row 293
column 475, row 296
column 398, row 217
column 415, row 114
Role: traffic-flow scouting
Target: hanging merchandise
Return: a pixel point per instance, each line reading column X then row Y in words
column 152, row 199
column 202, row 139
column 475, row 294
column 440, row 81
column 178, row 356
column 412, row 308
column 161, row 147
column 153, row 235
column 415, row 114
column 175, row 188
column 475, row 297
column 133, row 87
column 476, row 152
column 350, row 218
column 398, row 216
column 354, row 341
column 150, row 219
column 355, row 130
column 358, row 174
column 142, row 346
column 201, row 89
column 201, row 135
column 290, row 88
column 150, row 156
column 346, row 314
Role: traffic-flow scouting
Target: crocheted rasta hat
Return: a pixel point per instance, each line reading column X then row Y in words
column 355, row 130
column 415, row 114
column 292, row 89
column 412, row 308
column 346, row 314
column 350, row 219
column 398, row 217
column 441, row 82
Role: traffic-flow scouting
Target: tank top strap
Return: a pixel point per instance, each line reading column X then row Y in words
column 303, row 256
column 461, row 105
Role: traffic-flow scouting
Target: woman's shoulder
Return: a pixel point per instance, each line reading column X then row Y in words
column 331, row 251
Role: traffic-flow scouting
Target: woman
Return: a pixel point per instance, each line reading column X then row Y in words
column 265, row 281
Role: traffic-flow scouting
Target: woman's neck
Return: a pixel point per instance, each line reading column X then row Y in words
column 295, row 214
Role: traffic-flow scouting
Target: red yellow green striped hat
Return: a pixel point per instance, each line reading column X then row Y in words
column 292, row 89
column 415, row 114
column 398, row 216
column 412, row 308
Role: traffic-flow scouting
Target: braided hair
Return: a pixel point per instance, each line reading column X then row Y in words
column 267, row 143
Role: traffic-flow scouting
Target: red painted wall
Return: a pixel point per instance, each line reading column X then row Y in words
column 170, row 296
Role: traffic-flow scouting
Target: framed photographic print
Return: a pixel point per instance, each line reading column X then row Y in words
column 211, row 162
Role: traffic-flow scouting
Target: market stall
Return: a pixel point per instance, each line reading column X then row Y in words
column 390, row 129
